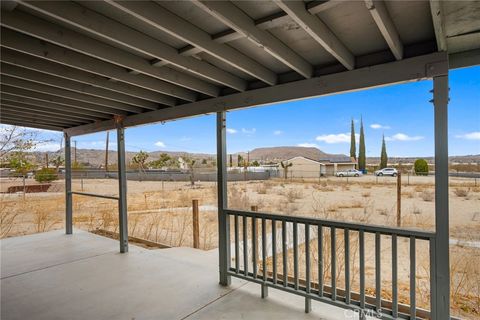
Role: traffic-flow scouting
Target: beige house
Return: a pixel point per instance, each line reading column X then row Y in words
column 306, row 168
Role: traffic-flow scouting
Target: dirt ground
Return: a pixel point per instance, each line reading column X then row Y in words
column 161, row 212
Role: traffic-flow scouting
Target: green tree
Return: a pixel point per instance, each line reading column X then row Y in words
column 46, row 175
column 231, row 161
column 57, row 162
column 383, row 155
column 361, row 149
column 353, row 146
column 239, row 160
column 255, row 163
column 421, row 167
column 139, row 159
column 19, row 162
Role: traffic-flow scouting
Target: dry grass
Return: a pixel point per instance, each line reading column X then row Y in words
column 165, row 216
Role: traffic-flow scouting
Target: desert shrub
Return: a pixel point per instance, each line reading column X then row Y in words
column 461, row 192
column 421, row 167
column 46, row 175
column 427, row 195
column 293, row 194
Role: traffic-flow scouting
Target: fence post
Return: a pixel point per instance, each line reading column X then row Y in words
column 399, row 199
column 196, row 227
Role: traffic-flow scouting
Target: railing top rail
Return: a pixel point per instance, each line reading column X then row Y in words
column 425, row 235
column 94, row 195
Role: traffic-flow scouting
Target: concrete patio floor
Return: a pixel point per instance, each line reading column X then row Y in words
column 82, row 276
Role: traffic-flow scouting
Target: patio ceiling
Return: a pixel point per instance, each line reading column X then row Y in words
column 75, row 66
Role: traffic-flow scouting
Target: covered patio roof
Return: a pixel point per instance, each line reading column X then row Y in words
column 76, row 66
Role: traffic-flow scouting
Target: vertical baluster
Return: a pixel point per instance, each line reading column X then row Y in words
column 264, row 258
column 245, row 246
column 320, row 259
column 333, row 263
column 394, row 277
column 254, row 246
column 361, row 240
column 295, row 253
column 413, row 311
column 378, row 275
column 264, row 249
column 284, row 253
column 433, row 281
column 237, row 248
column 347, row 265
column 274, row 251
column 308, row 302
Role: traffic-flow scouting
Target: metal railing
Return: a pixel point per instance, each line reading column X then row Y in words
column 286, row 229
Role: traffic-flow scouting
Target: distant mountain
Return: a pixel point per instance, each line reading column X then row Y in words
column 96, row 158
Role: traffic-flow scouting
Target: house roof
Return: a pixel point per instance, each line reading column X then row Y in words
column 86, row 66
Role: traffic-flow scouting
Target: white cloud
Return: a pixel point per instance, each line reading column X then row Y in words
column 277, row 132
column 378, row 126
column 469, row 136
column 160, row 144
column 307, row 145
column 231, row 130
column 336, row 138
column 249, row 131
column 403, row 137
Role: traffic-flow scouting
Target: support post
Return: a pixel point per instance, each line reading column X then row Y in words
column 68, row 186
column 399, row 199
column 441, row 303
column 196, row 224
column 122, row 188
column 223, row 222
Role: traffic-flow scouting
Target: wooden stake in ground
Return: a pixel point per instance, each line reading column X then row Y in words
column 399, row 200
column 196, row 225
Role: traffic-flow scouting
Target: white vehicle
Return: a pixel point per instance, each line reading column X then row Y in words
column 387, row 172
column 349, row 173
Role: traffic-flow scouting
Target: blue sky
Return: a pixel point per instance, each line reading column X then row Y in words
column 401, row 112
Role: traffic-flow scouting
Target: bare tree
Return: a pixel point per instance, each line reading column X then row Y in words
column 16, row 139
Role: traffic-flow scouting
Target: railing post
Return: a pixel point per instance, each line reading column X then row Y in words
column 122, row 188
column 223, row 222
column 68, row 186
column 442, row 270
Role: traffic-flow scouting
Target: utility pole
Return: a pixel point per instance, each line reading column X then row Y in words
column 106, row 153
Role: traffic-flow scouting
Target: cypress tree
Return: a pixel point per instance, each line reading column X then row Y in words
column 353, row 146
column 231, row 161
column 383, row 155
column 361, row 149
